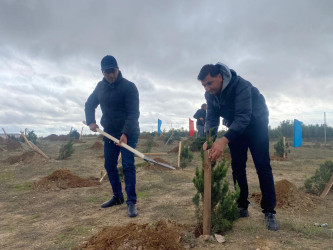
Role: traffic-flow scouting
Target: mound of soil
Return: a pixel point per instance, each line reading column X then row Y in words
column 54, row 137
column 2, row 140
column 174, row 150
column 26, row 158
column 63, row 179
column 288, row 196
column 160, row 235
column 13, row 145
column 97, row 146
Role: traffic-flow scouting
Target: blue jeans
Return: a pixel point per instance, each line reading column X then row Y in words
column 200, row 129
column 255, row 138
column 111, row 153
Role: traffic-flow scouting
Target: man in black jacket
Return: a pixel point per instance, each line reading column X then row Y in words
column 200, row 115
column 119, row 101
column 246, row 115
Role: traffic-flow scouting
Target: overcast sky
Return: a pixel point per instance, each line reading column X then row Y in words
column 50, row 54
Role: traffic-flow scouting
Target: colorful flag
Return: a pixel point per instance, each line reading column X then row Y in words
column 191, row 125
column 297, row 133
column 159, row 124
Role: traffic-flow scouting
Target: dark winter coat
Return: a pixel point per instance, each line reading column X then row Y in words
column 239, row 103
column 201, row 113
column 119, row 103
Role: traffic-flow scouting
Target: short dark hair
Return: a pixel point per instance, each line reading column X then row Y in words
column 211, row 69
column 203, row 105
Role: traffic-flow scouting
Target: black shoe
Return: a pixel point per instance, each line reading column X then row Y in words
column 271, row 222
column 132, row 211
column 243, row 212
column 114, row 201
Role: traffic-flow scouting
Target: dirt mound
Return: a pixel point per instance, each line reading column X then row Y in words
column 63, row 179
column 13, row 145
column 26, row 158
column 2, row 140
column 97, row 146
column 54, row 137
column 288, row 196
column 160, row 235
column 174, row 150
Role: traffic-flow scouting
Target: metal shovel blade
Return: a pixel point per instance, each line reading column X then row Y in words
column 158, row 163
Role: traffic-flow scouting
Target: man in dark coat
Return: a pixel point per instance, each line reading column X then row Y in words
column 119, row 101
column 245, row 114
column 200, row 115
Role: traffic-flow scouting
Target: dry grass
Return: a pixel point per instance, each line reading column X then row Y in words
column 62, row 219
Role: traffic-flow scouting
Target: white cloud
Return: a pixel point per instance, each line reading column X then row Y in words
column 50, row 53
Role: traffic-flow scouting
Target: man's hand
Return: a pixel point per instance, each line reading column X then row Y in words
column 123, row 139
column 217, row 149
column 93, row 127
column 202, row 120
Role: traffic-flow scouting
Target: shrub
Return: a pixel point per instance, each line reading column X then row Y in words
column 281, row 150
column 66, row 150
column 149, row 144
column 31, row 136
column 186, row 156
column 74, row 134
column 196, row 145
column 318, row 181
column 224, row 207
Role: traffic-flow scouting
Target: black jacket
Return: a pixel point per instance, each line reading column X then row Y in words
column 119, row 103
column 201, row 113
column 239, row 103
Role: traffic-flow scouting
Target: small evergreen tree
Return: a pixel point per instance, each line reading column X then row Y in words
column 74, row 134
column 280, row 149
column 66, row 150
column 224, row 207
column 318, row 181
column 186, row 156
column 149, row 145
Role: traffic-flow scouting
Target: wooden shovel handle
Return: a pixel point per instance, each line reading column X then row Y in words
column 129, row 148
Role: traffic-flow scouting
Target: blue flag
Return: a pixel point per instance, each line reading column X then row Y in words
column 297, row 133
column 159, row 123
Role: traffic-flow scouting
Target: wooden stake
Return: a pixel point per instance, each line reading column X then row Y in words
column 179, row 151
column 119, row 158
column 284, row 147
column 5, row 133
column 34, row 147
column 327, row 188
column 207, row 202
column 170, row 137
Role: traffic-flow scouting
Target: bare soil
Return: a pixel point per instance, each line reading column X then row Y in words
column 51, row 204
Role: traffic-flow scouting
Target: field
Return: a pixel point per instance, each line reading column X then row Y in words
column 41, row 211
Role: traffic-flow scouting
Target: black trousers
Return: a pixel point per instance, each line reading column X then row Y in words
column 255, row 138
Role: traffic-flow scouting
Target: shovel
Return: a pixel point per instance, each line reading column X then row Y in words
column 134, row 151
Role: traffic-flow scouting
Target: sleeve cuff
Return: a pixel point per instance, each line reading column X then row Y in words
column 231, row 135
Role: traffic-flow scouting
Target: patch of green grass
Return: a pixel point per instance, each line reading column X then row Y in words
column 308, row 230
column 26, row 186
column 169, row 211
column 65, row 240
column 35, row 216
column 143, row 195
column 5, row 177
column 141, row 164
column 93, row 199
